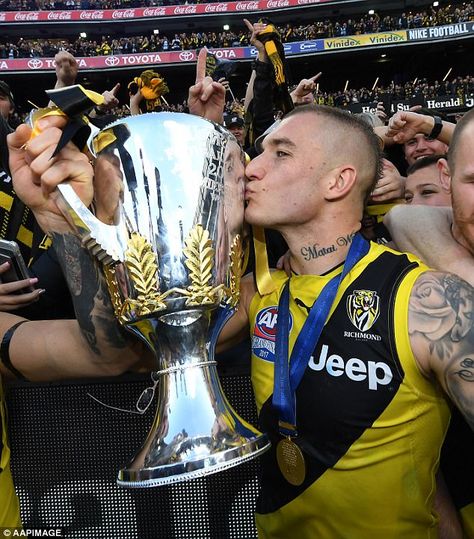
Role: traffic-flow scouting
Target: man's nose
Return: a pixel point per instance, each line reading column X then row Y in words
column 421, row 144
column 254, row 170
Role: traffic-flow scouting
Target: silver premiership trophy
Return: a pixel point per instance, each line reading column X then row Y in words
column 167, row 228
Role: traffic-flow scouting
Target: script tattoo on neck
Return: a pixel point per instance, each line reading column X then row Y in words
column 310, row 252
column 89, row 293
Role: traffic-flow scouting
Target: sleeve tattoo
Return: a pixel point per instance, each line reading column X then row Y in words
column 88, row 288
column 442, row 323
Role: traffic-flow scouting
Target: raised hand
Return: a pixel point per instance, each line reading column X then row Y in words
column 66, row 69
column 405, row 125
column 303, row 93
column 110, row 98
column 35, row 174
column 254, row 30
column 206, row 98
column 390, row 186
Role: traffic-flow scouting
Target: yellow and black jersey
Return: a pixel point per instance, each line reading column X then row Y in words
column 9, row 507
column 370, row 424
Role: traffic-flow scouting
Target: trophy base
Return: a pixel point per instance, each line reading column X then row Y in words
column 184, row 471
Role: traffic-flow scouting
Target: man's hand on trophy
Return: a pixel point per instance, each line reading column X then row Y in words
column 206, row 98
column 36, row 174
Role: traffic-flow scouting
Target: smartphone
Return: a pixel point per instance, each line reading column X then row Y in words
column 10, row 252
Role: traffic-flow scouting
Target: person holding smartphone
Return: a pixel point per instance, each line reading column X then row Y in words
column 17, row 223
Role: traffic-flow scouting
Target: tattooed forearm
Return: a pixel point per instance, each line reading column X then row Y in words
column 442, row 323
column 310, row 252
column 94, row 311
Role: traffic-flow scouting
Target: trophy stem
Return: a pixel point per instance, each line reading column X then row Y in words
column 195, row 431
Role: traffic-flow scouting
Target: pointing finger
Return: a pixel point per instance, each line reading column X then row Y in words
column 314, row 78
column 201, row 65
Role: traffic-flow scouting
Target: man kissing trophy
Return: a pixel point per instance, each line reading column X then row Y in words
column 167, row 228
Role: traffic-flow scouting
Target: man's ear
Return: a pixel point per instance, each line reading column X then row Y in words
column 341, row 182
column 444, row 175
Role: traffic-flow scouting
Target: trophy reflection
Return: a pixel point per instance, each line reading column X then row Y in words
column 167, row 227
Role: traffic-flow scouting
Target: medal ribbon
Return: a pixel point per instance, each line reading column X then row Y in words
column 288, row 374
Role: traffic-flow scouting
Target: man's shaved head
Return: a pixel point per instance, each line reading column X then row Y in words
column 348, row 140
column 458, row 131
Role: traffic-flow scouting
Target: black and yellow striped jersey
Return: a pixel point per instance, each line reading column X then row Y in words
column 370, row 424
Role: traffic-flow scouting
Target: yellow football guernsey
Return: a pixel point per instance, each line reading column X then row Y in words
column 370, row 424
column 9, row 507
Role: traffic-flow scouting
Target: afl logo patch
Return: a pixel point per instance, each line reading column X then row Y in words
column 264, row 334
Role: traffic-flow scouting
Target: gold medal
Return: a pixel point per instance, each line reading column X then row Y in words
column 291, row 461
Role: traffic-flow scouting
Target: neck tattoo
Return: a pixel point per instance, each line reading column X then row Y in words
column 311, row 252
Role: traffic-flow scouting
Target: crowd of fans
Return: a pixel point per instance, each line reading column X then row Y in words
column 415, row 19
column 107, row 45
column 462, row 87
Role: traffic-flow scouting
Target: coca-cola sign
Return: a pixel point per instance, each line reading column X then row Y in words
column 91, row 15
column 185, row 10
column 154, row 11
column 204, row 8
column 246, row 6
column 216, row 8
column 123, row 14
column 27, row 16
column 272, row 4
column 59, row 15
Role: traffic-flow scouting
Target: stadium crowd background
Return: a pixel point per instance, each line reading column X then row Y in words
column 403, row 83
column 461, row 87
column 291, row 31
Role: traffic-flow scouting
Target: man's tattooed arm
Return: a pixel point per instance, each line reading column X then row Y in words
column 441, row 326
column 94, row 310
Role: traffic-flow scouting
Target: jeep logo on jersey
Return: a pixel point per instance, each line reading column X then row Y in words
column 363, row 308
column 263, row 338
column 376, row 373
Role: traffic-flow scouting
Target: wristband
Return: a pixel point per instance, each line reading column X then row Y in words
column 5, row 350
column 437, row 127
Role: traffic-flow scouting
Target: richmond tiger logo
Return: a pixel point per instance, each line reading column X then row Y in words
column 363, row 308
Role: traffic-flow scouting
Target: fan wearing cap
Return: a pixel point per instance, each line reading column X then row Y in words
column 235, row 124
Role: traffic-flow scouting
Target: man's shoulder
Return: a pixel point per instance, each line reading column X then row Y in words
column 418, row 217
column 377, row 249
column 423, row 230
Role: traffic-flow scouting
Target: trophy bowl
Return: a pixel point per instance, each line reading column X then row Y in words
column 167, row 226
